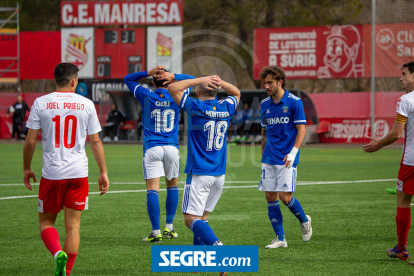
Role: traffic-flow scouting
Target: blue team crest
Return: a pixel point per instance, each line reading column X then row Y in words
column 285, row 108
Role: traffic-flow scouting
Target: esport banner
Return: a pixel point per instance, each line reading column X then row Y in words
column 347, row 130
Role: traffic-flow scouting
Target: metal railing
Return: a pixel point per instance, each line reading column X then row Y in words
column 14, row 65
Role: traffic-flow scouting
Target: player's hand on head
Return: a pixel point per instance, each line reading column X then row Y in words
column 211, row 82
column 166, row 76
column 103, row 183
column 26, row 178
column 372, row 146
column 156, row 70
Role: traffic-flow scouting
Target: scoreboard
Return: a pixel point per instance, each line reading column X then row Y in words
column 119, row 52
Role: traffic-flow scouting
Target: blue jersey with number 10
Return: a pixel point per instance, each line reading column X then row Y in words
column 159, row 112
column 208, row 122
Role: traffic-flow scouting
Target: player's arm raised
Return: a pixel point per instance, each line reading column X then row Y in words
column 231, row 90
column 392, row 136
column 177, row 89
column 168, row 77
column 28, row 151
column 98, row 153
column 130, row 80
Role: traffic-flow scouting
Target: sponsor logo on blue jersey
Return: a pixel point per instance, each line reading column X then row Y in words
column 277, row 120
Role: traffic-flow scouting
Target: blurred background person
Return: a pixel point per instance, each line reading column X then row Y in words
column 114, row 120
column 18, row 111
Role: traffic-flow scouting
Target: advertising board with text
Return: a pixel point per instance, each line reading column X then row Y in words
column 105, row 13
column 322, row 52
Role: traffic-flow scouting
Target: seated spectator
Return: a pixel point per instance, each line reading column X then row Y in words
column 114, row 120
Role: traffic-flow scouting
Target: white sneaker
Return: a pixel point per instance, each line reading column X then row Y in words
column 306, row 229
column 276, row 244
column 106, row 139
column 116, row 138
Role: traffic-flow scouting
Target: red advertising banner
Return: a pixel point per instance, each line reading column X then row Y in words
column 346, row 130
column 39, row 54
column 94, row 13
column 8, row 48
column 119, row 52
column 311, row 52
column 394, row 46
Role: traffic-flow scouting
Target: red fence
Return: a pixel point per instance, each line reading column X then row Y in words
column 348, row 115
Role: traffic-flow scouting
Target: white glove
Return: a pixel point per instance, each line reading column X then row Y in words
column 291, row 157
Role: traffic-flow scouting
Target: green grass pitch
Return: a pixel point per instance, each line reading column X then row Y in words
column 353, row 223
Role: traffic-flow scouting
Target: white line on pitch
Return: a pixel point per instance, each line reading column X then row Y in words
column 225, row 187
column 239, row 182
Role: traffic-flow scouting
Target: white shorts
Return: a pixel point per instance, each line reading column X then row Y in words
column 201, row 193
column 277, row 178
column 161, row 161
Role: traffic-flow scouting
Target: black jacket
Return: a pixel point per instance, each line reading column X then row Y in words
column 20, row 111
column 115, row 117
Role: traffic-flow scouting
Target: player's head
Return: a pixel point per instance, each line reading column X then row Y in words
column 246, row 106
column 66, row 76
column 113, row 106
column 273, row 79
column 201, row 92
column 407, row 76
column 159, row 83
column 19, row 99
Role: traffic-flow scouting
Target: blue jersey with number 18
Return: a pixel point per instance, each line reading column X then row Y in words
column 208, row 122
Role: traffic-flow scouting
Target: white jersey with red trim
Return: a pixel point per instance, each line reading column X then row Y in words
column 405, row 107
column 65, row 119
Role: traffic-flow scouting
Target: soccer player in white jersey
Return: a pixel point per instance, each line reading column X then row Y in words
column 208, row 121
column 283, row 131
column 161, row 156
column 405, row 184
column 65, row 119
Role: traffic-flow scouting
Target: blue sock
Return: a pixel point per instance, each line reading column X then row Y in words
column 296, row 209
column 203, row 232
column 171, row 203
column 153, row 206
column 276, row 219
column 197, row 241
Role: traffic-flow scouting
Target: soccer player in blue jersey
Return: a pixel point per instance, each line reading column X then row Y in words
column 208, row 120
column 161, row 156
column 283, row 131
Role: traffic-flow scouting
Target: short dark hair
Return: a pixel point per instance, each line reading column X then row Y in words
column 409, row 66
column 207, row 93
column 277, row 73
column 159, row 82
column 64, row 72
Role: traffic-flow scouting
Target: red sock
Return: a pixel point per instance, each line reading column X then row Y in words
column 50, row 238
column 71, row 262
column 403, row 219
